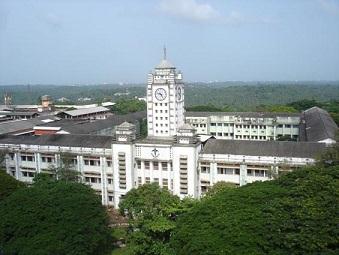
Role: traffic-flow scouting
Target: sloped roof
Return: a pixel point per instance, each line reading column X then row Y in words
column 318, row 125
column 264, row 148
column 92, row 126
column 16, row 126
column 126, row 124
column 84, row 141
column 84, row 111
column 186, row 126
column 14, row 113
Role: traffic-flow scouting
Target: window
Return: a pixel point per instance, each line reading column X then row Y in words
column 287, row 126
column 92, row 162
column 139, row 164
column 164, row 166
column 147, row 164
column 110, row 180
column 165, row 183
column 156, row 180
column 139, row 181
column 219, row 134
column 147, row 180
column 260, row 173
column 27, row 158
column 205, row 169
column 225, row 170
column 28, row 174
column 155, row 165
column 219, row 124
column 213, row 124
column 95, row 180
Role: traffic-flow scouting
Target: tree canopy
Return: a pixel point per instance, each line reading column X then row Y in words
column 295, row 214
column 53, row 217
column 124, row 106
column 151, row 211
column 8, row 184
column 208, row 108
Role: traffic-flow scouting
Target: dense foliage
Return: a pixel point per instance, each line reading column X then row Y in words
column 295, row 214
column 8, row 184
column 53, row 217
column 207, row 108
column 125, row 106
column 240, row 96
column 151, row 212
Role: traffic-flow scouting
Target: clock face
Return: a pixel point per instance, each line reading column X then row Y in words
column 160, row 94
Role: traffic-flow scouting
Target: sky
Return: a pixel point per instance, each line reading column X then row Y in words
column 111, row 41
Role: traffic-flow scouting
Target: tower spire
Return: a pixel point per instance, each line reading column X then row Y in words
column 165, row 52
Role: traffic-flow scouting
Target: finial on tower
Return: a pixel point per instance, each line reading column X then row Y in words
column 165, row 52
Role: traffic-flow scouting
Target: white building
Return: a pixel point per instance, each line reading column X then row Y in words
column 171, row 155
column 246, row 125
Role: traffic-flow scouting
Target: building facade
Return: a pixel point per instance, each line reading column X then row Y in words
column 171, row 155
column 246, row 125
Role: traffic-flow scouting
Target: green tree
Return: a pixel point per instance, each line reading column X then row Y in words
column 275, row 108
column 304, row 104
column 143, row 128
column 295, row 214
column 151, row 212
column 8, row 184
column 54, row 217
column 124, row 106
column 208, row 108
column 218, row 187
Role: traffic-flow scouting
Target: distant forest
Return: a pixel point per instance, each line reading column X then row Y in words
column 240, row 96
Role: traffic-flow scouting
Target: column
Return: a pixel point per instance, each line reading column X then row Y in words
column 243, row 174
column 103, row 180
column 37, row 157
column 17, row 158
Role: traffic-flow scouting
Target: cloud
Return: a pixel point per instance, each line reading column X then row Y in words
column 189, row 9
column 237, row 18
column 202, row 12
column 330, row 6
column 53, row 20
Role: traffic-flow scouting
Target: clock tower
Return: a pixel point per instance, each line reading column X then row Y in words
column 165, row 100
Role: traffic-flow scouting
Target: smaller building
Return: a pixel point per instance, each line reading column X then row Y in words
column 14, row 115
column 242, row 162
column 98, row 112
column 317, row 126
column 255, row 126
column 89, row 127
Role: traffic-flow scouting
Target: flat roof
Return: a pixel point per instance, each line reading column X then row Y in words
column 243, row 114
column 62, row 140
column 264, row 148
column 74, row 126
